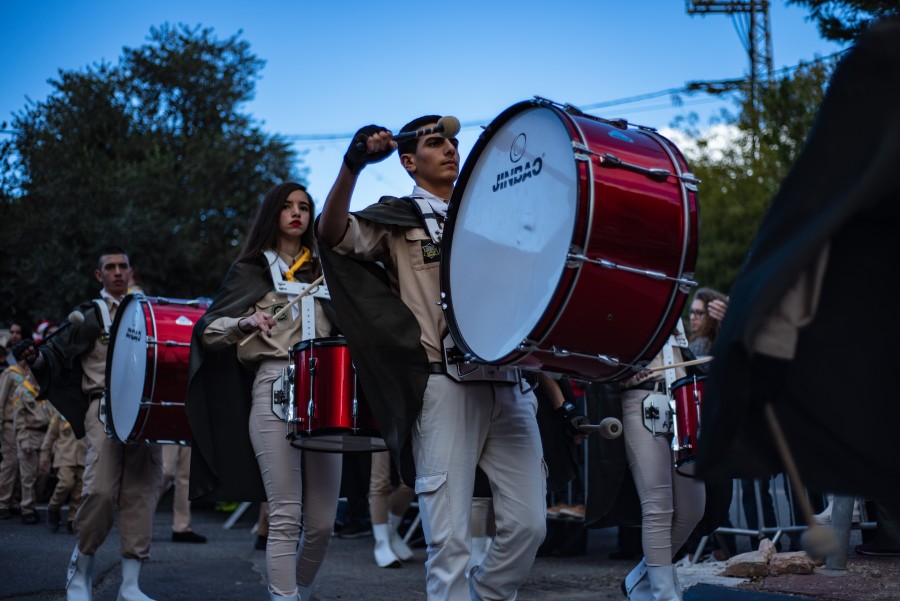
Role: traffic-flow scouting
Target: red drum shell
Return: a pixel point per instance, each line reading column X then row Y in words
column 147, row 368
column 687, row 395
column 325, row 381
column 576, row 310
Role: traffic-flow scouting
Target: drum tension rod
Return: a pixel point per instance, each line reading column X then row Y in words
column 612, row 161
column 655, row 275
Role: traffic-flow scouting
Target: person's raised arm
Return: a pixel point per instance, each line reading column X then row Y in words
column 370, row 145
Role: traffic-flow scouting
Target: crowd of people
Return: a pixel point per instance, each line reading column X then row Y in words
column 474, row 451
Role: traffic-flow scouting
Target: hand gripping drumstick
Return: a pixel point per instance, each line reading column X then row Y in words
column 284, row 309
column 682, row 364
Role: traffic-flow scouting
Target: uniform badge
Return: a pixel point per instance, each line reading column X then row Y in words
column 275, row 311
column 431, row 252
column 104, row 339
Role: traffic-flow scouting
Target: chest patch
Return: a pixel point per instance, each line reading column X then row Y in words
column 431, row 252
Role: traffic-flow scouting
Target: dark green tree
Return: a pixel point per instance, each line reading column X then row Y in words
column 844, row 20
column 151, row 154
column 740, row 179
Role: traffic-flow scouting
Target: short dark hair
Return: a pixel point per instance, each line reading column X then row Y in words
column 110, row 250
column 409, row 146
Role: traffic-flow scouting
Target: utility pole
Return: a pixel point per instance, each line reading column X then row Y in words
column 755, row 32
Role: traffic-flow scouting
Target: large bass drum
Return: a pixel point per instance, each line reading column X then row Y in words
column 570, row 243
column 147, row 369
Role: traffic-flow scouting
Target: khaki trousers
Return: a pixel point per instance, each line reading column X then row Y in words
column 69, row 482
column 382, row 495
column 671, row 504
column 300, row 486
column 126, row 476
column 9, row 466
column 177, row 472
column 29, row 466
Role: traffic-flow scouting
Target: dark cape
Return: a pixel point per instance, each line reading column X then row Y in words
column 219, row 396
column 835, row 399
column 383, row 336
column 61, row 378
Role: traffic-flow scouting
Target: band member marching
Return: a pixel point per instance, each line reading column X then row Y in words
column 239, row 443
column 382, row 266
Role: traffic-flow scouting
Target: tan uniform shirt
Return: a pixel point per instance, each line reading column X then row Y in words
column 416, row 273
column 224, row 331
column 94, row 362
column 30, row 413
column 60, row 442
column 9, row 379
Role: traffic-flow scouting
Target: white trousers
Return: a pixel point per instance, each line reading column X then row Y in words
column 493, row 426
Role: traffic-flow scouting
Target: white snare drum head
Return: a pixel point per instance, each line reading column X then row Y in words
column 128, row 368
column 512, row 232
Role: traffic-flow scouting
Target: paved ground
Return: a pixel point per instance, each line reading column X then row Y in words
column 33, row 563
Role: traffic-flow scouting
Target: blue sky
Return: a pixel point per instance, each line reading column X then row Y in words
column 332, row 67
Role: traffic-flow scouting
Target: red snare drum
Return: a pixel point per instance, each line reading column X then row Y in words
column 687, row 396
column 147, row 369
column 328, row 411
column 569, row 243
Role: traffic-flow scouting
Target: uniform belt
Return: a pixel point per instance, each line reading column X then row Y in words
column 437, row 368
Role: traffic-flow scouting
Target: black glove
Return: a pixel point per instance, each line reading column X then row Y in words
column 21, row 347
column 356, row 156
column 572, row 418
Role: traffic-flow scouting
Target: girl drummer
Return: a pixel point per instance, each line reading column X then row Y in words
column 300, row 486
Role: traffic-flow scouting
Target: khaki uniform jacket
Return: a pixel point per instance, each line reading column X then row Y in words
column 30, row 413
column 61, row 444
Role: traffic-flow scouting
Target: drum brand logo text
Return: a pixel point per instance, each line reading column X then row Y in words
column 518, row 174
column 134, row 334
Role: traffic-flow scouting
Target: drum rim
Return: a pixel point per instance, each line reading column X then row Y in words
column 314, row 342
column 686, row 380
column 110, row 354
column 567, row 282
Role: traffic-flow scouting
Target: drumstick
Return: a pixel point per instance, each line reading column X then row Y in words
column 284, row 309
column 682, row 364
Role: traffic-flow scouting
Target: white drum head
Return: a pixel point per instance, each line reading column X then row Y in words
column 128, row 367
column 512, row 233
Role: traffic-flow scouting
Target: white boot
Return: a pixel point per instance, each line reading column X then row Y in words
column 637, row 585
column 298, row 596
column 400, row 548
column 130, row 590
column 79, row 577
column 384, row 554
column 662, row 583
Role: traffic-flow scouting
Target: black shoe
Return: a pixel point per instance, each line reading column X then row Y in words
column 70, row 526
column 5, row 513
column 356, row 529
column 873, row 548
column 260, row 544
column 30, row 518
column 53, row 519
column 188, row 537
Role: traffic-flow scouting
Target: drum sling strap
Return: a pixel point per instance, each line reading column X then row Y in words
column 107, row 326
column 429, row 218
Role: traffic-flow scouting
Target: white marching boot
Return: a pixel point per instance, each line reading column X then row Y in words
column 79, row 577
column 663, row 584
column 130, row 590
column 384, row 554
column 637, row 585
column 298, row 596
column 400, row 548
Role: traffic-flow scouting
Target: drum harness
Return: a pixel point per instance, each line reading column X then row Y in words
column 106, row 320
column 454, row 359
column 658, row 407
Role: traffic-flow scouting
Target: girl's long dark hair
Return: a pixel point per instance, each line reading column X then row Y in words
column 263, row 234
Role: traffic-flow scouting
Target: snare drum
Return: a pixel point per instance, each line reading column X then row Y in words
column 147, row 369
column 687, row 397
column 326, row 408
column 570, row 243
